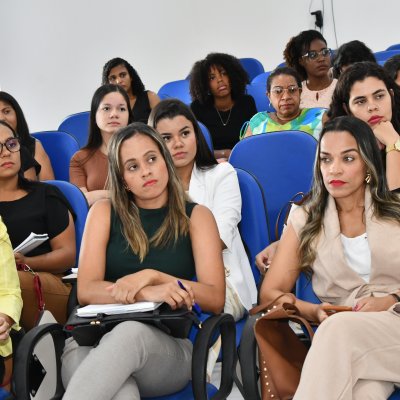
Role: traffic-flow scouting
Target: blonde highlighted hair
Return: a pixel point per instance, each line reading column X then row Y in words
column 385, row 204
column 176, row 222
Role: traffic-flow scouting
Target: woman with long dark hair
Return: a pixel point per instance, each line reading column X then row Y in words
column 109, row 112
column 29, row 206
column 119, row 72
column 35, row 161
column 345, row 236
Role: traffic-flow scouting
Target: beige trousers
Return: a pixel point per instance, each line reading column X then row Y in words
column 354, row 355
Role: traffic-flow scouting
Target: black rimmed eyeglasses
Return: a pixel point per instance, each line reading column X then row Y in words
column 313, row 54
column 11, row 144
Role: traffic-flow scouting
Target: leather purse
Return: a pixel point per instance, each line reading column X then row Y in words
column 89, row 331
column 281, row 352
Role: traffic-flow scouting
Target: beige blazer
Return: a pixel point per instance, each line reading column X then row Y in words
column 333, row 280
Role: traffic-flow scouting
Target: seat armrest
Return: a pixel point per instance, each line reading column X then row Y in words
column 225, row 325
column 24, row 355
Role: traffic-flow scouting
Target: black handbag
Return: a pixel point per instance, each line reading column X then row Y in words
column 88, row 331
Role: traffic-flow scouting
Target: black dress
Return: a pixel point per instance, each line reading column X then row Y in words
column 43, row 210
column 141, row 110
column 225, row 127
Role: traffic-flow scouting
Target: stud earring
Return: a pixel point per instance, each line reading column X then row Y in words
column 368, row 178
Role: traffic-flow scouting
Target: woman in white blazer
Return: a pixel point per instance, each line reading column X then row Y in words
column 214, row 186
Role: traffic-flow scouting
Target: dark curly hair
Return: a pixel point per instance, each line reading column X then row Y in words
column 199, row 80
column 283, row 71
column 22, row 126
column 171, row 108
column 392, row 66
column 297, row 47
column 356, row 73
column 137, row 85
column 350, row 53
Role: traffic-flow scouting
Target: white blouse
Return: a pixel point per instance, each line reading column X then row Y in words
column 358, row 254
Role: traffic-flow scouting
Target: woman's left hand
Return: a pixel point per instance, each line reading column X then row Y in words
column 374, row 303
column 124, row 290
column 385, row 132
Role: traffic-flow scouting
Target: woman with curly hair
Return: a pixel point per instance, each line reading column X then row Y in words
column 217, row 86
column 365, row 91
column 118, row 71
column 309, row 55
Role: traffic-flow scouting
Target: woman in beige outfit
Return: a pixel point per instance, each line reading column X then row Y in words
column 346, row 236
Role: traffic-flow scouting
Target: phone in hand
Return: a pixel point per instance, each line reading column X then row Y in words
column 331, row 309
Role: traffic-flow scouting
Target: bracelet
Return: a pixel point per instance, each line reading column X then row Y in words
column 396, row 296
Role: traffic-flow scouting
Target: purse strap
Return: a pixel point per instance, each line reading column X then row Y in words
column 269, row 306
column 288, row 207
column 37, row 285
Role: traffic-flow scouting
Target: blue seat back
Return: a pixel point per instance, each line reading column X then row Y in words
column 259, row 93
column 77, row 125
column 262, row 79
column 176, row 90
column 282, row 162
column 252, row 66
column 394, row 47
column 60, row 147
column 383, row 56
column 80, row 206
column 207, row 136
column 253, row 226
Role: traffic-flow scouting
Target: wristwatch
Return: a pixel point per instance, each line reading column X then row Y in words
column 395, row 146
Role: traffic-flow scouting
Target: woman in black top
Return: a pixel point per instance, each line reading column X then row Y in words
column 118, row 71
column 26, row 207
column 217, row 86
column 35, row 161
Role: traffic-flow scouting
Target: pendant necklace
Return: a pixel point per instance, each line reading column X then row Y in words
column 227, row 120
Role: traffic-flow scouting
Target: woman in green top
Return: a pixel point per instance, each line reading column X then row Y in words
column 136, row 246
column 283, row 91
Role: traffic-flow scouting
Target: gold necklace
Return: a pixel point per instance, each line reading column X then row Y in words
column 229, row 116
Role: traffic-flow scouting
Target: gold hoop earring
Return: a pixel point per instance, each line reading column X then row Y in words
column 368, row 178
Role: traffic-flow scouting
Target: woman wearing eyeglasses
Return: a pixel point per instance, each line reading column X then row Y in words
column 283, row 91
column 28, row 206
column 309, row 55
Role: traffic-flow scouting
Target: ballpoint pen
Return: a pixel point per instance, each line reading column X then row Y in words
column 196, row 307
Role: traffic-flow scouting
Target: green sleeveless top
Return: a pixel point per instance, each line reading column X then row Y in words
column 174, row 259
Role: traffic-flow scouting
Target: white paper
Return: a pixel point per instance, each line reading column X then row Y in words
column 31, row 242
column 110, row 309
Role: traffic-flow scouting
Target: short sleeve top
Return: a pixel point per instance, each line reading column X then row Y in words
column 42, row 210
column 225, row 126
column 175, row 259
column 309, row 121
column 317, row 98
column 89, row 169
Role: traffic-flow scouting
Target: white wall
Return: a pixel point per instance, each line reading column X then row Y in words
column 52, row 51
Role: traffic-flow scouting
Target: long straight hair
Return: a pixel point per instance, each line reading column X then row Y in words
column 385, row 204
column 176, row 222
